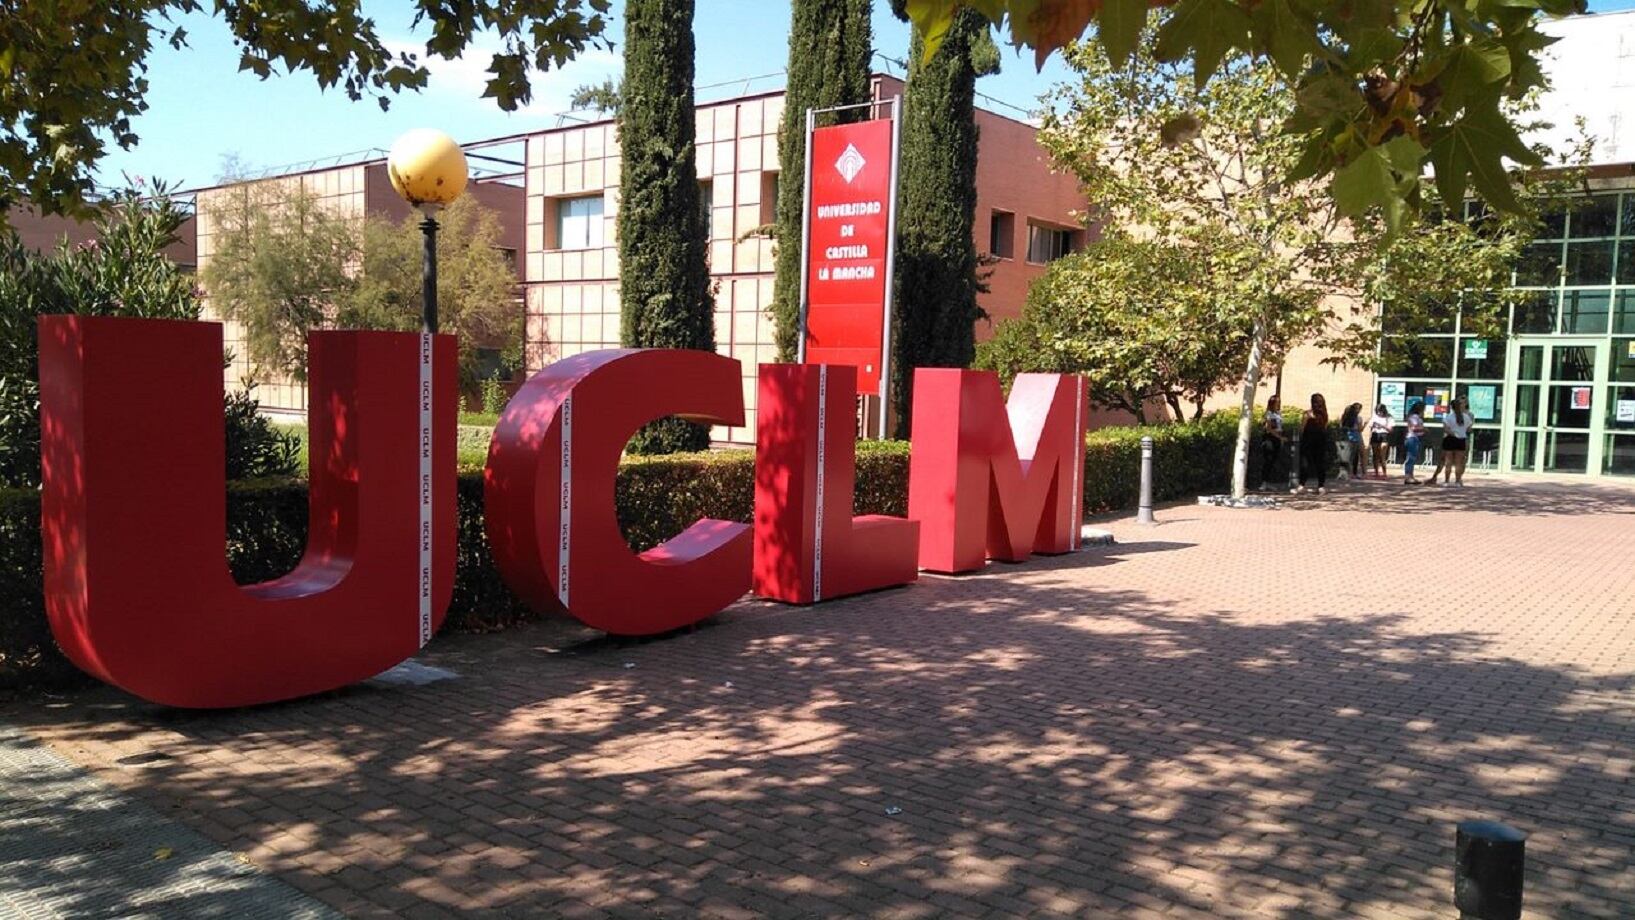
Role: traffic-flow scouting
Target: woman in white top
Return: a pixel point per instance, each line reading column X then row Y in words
column 1455, row 444
column 1379, row 438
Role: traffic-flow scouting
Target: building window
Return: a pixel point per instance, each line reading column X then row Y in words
column 579, row 222
column 1002, row 234
column 1047, row 244
column 769, row 198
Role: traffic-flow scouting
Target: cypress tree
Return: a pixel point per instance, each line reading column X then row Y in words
column 830, row 42
column 664, row 280
column 936, row 285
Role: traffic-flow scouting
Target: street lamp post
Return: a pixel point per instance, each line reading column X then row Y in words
column 428, row 169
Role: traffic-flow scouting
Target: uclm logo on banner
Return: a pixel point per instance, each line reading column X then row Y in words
column 134, row 505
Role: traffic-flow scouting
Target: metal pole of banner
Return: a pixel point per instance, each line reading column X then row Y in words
column 891, row 265
column 805, row 236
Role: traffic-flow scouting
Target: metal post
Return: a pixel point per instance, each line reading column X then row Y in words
column 1488, row 867
column 891, row 266
column 1143, row 514
column 805, row 235
column 428, row 277
column 1294, row 460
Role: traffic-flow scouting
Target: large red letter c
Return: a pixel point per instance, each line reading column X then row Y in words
column 548, row 492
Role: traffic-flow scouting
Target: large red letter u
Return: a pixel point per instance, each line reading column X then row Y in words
column 134, row 513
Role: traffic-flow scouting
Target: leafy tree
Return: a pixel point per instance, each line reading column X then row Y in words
column 72, row 74
column 280, row 262
column 601, row 97
column 1385, row 87
column 830, row 44
column 476, row 283
column 1206, row 170
column 124, row 272
column 936, row 269
column 284, row 263
column 664, row 278
column 1140, row 318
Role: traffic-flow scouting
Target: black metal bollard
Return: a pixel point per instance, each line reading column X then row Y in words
column 1143, row 512
column 1487, row 874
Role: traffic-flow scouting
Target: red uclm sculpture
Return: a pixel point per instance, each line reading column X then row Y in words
column 134, row 505
column 995, row 480
column 548, row 492
column 808, row 546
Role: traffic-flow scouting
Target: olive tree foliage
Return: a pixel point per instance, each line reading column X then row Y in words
column 1385, row 88
column 477, row 293
column 126, row 272
column 1205, row 169
column 73, row 73
column 284, row 262
column 280, row 260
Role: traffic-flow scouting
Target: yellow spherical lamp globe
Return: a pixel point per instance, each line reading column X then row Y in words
column 427, row 168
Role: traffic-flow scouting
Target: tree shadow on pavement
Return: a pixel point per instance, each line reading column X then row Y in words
column 1510, row 497
column 1025, row 740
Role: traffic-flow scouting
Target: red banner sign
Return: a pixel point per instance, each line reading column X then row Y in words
column 848, row 241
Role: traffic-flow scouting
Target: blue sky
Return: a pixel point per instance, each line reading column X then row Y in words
column 202, row 108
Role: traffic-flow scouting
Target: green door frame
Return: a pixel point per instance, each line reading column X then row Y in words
column 1541, row 429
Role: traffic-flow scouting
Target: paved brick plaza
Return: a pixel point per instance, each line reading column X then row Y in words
column 1257, row 713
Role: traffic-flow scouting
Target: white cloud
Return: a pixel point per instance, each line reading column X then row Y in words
column 463, row 79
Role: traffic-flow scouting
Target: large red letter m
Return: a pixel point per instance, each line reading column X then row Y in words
column 989, row 480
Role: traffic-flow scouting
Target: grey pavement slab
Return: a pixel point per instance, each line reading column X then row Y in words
column 71, row 845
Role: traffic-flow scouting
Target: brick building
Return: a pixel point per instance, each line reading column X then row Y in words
column 1026, row 215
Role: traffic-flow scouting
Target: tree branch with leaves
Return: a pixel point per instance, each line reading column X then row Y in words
column 1385, row 88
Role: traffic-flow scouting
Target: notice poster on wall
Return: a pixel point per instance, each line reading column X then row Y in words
column 1581, row 397
column 1392, row 393
column 1626, row 410
column 1436, row 402
column 1476, row 349
column 1482, row 399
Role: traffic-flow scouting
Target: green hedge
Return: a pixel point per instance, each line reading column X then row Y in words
column 657, row 497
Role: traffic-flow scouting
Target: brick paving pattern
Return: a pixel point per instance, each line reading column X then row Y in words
column 1267, row 713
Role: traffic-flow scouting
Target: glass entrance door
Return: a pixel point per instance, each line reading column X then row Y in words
column 1553, row 422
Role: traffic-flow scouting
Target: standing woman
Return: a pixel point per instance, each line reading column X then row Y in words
column 1416, row 431
column 1379, row 438
column 1271, row 439
column 1455, row 442
column 1314, row 445
column 1351, row 425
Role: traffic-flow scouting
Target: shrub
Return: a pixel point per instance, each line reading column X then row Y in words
column 494, row 398
column 655, row 497
column 124, row 272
